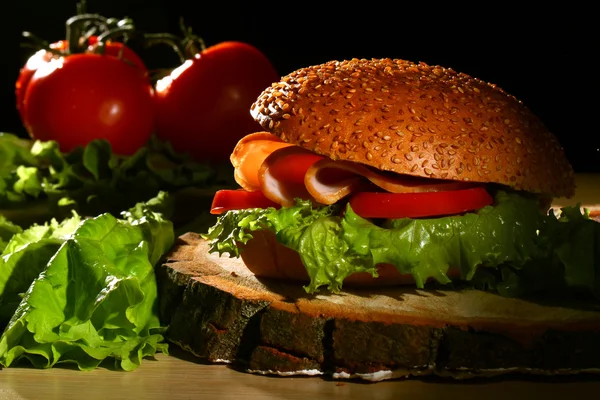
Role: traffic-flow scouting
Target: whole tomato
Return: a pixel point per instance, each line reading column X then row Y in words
column 203, row 106
column 41, row 57
column 81, row 97
column 58, row 49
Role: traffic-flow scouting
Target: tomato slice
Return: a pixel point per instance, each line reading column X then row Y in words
column 415, row 205
column 239, row 199
column 289, row 164
column 281, row 175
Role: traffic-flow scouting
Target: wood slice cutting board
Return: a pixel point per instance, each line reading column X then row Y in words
column 219, row 311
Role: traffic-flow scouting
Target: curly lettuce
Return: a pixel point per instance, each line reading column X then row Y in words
column 39, row 182
column 83, row 291
column 511, row 237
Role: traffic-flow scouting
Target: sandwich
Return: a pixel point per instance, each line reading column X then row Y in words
column 392, row 219
column 384, row 172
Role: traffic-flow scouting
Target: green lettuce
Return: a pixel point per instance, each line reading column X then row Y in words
column 39, row 182
column 83, row 291
column 7, row 231
column 512, row 238
column 25, row 257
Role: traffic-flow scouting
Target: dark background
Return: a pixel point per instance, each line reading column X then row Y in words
column 544, row 56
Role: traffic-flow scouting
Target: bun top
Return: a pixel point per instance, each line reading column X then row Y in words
column 416, row 119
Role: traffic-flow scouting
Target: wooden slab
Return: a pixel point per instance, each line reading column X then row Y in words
column 217, row 310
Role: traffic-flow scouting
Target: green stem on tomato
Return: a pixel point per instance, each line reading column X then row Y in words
column 192, row 44
column 81, row 7
column 120, row 31
column 37, row 43
column 153, row 39
column 76, row 26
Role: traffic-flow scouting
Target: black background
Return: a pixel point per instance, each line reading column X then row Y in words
column 544, row 55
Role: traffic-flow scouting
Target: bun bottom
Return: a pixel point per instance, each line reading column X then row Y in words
column 267, row 258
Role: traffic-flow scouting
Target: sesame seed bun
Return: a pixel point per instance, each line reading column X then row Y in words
column 416, row 119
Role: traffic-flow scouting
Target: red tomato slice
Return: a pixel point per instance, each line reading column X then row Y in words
column 239, row 199
column 290, row 165
column 415, row 205
column 281, row 175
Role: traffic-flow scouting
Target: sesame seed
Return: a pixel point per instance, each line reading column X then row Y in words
column 307, row 99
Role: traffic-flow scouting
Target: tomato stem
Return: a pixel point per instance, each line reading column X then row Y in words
column 76, row 26
column 192, row 44
column 152, row 39
column 81, row 7
column 120, row 31
column 37, row 43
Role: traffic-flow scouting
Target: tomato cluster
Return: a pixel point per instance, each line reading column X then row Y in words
column 94, row 86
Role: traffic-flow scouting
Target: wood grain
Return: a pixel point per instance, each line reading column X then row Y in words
column 178, row 377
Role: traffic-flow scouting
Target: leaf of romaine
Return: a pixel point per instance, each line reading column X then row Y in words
column 574, row 239
column 98, row 158
column 96, row 298
column 327, row 256
column 24, row 257
column 91, row 180
column 14, row 151
column 333, row 247
column 16, row 162
column 7, row 231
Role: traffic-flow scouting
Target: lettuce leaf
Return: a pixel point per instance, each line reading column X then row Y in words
column 25, row 257
column 7, row 231
column 511, row 237
column 88, row 290
column 39, row 182
column 574, row 242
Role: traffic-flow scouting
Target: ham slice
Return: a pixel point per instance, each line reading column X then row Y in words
column 329, row 181
column 249, row 154
column 283, row 171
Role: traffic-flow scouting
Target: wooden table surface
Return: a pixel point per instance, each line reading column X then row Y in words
column 180, row 376
column 177, row 376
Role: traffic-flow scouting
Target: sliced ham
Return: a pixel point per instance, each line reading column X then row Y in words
column 249, row 154
column 282, row 173
column 329, row 181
